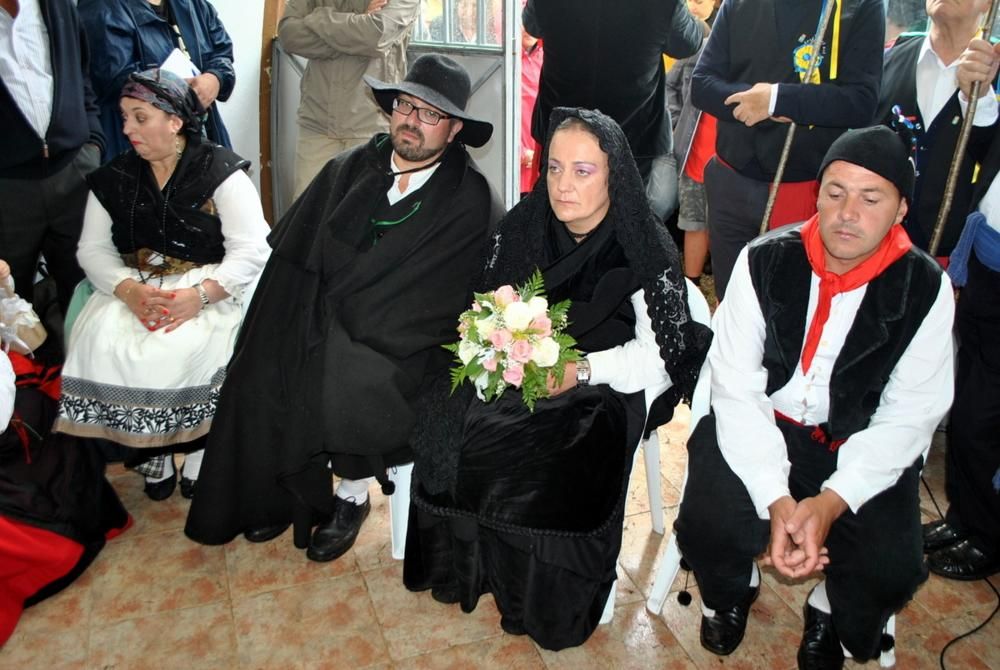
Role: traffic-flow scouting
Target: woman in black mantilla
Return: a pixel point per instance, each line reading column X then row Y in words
column 530, row 506
column 173, row 235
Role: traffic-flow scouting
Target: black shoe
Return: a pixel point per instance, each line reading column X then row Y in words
column 965, row 561
column 940, row 534
column 332, row 539
column 161, row 490
column 265, row 533
column 187, row 487
column 722, row 633
column 820, row 647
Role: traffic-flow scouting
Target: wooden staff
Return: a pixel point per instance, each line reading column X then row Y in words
column 963, row 141
column 817, row 44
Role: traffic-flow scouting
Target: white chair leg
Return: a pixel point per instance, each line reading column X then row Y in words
column 887, row 659
column 399, row 508
column 665, row 575
column 651, row 454
column 609, row 605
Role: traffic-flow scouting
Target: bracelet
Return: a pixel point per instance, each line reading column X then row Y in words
column 202, row 294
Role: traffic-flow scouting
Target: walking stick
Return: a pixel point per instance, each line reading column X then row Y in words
column 963, row 141
column 787, row 149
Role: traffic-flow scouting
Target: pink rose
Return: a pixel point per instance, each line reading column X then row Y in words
column 514, row 374
column 500, row 339
column 541, row 325
column 505, row 295
column 490, row 364
column 521, row 351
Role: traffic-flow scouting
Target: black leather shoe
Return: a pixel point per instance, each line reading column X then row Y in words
column 187, row 487
column 820, row 647
column 161, row 490
column 965, row 561
column 265, row 533
column 940, row 534
column 332, row 539
column 722, row 633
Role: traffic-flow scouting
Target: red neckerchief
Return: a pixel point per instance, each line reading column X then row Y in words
column 891, row 249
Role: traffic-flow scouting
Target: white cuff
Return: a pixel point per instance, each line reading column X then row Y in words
column 774, row 99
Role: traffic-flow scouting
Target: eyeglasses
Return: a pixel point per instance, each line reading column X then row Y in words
column 425, row 114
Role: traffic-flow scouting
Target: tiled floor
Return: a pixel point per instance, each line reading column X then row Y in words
column 153, row 599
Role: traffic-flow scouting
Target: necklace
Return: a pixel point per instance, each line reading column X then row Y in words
column 167, row 192
column 580, row 237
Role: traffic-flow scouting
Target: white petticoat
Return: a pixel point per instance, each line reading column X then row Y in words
column 145, row 389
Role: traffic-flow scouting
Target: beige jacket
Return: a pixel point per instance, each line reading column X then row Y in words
column 342, row 43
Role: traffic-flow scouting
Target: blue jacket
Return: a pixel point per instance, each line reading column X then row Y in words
column 127, row 36
column 74, row 120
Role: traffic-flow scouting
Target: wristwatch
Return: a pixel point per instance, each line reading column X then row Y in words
column 583, row 372
column 202, row 293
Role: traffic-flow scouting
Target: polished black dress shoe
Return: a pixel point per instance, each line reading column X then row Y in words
column 265, row 533
column 722, row 633
column 161, row 490
column 966, row 560
column 187, row 487
column 332, row 539
column 940, row 534
column 820, row 647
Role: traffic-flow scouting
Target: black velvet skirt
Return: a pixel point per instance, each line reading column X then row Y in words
column 535, row 517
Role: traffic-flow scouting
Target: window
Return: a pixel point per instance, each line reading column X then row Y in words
column 465, row 23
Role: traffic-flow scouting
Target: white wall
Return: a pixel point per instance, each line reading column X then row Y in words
column 241, row 113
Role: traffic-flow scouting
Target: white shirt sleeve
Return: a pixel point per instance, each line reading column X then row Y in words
column 96, row 253
column 7, row 391
column 243, row 228
column 986, row 108
column 918, row 394
column 245, row 232
column 635, row 365
column 749, row 440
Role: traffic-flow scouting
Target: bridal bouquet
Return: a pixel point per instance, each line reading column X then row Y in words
column 512, row 337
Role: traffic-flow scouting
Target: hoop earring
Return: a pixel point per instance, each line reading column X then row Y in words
column 178, row 147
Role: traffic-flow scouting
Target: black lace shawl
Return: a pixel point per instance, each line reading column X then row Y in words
column 518, row 247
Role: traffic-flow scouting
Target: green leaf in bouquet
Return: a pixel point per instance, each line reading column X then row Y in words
column 559, row 312
column 533, row 287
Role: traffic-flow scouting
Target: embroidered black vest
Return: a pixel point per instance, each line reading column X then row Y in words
column 890, row 314
column 181, row 220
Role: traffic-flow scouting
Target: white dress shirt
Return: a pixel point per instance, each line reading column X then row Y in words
column 990, row 205
column 26, row 65
column 244, row 231
column 7, row 391
column 936, row 83
column 913, row 402
column 417, row 180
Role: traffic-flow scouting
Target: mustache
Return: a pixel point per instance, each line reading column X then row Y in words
column 411, row 129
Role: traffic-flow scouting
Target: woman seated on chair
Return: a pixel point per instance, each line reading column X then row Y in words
column 172, row 237
column 529, row 506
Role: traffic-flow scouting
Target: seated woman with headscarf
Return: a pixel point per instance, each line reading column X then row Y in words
column 527, row 505
column 173, row 236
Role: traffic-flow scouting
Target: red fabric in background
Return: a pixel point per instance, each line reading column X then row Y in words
column 30, row 558
column 702, row 148
column 796, row 202
column 531, row 70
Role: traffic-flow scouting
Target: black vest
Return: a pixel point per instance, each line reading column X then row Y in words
column 181, row 221
column 758, row 53
column 890, row 314
column 936, row 141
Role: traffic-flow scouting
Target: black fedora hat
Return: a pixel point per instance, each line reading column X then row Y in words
column 443, row 83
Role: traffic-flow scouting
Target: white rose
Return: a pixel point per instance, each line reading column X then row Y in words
column 485, row 327
column 539, row 306
column 517, row 315
column 546, row 353
column 467, row 351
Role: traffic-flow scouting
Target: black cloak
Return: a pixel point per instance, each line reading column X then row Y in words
column 338, row 338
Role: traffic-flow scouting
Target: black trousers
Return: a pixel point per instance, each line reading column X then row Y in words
column 876, row 561
column 972, row 460
column 45, row 216
column 735, row 207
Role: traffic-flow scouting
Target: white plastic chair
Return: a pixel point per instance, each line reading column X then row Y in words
column 701, row 313
column 670, row 564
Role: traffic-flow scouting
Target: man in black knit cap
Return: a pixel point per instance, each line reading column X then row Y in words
column 831, row 367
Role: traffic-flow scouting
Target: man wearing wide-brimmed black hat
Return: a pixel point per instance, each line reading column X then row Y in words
column 369, row 270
